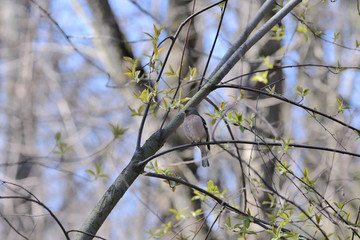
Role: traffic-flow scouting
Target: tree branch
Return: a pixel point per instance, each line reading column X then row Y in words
column 157, row 140
column 313, row 111
column 265, row 225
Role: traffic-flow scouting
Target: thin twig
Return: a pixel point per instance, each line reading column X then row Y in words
column 214, row 44
column 42, row 205
column 68, row 38
column 180, row 147
column 288, row 101
column 257, row 221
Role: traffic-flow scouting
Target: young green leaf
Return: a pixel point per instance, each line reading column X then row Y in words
column 117, row 130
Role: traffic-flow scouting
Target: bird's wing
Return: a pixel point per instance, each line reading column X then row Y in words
column 206, row 130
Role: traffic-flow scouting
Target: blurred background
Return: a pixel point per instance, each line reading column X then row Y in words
column 62, row 83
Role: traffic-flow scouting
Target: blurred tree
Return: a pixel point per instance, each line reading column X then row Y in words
column 92, row 90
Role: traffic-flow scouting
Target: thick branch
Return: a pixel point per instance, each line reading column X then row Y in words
column 265, row 8
column 157, row 140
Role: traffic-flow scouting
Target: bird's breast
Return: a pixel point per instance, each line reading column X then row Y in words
column 194, row 129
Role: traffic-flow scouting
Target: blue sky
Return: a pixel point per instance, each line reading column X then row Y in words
column 134, row 27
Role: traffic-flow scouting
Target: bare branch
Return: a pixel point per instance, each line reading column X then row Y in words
column 157, row 140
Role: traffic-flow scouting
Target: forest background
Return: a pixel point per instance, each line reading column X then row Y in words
column 91, row 90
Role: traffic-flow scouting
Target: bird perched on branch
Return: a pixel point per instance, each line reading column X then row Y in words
column 196, row 131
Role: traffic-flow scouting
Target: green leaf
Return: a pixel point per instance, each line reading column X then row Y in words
column 192, row 73
column 221, row 5
column 318, row 218
column 266, row 60
column 340, row 107
column 339, row 205
column 61, row 147
column 302, row 92
column 358, row 133
column 261, row 77
column 313, row 115
column 299, row 89
column 306, row 91
column 285, row 145
column 336, row 36
column 272, row 199
column 319, row 33
column 302, row 28
column 137, row 112
column 117, row 130
column 278, row 32
column 148, row 34
column 91, row 172
column 171, row 72
column 57, row 136
column 348, row 217
column 284, row 168
column 271, row 90
column 157, row 31
column 165, row 103
column 98, row 173
column 132, row 72
column 147, row 55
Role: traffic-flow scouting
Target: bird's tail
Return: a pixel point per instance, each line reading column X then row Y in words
column 205, row 161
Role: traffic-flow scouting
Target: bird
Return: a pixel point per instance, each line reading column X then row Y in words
column 195, row 130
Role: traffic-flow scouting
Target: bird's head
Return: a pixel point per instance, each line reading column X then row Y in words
column 191, row 111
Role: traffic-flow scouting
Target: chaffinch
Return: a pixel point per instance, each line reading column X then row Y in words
column 196, row 131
